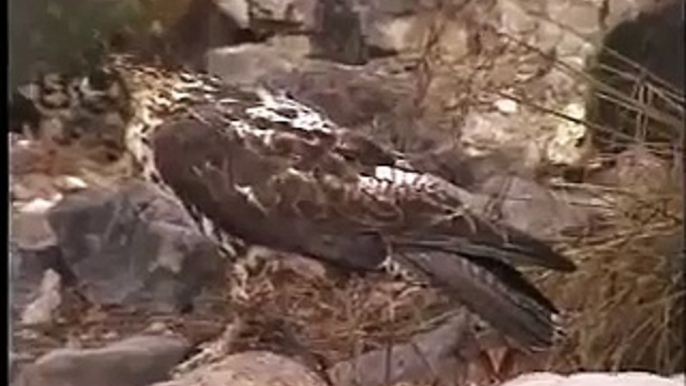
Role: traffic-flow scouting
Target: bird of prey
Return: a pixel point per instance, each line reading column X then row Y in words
column 260, row 166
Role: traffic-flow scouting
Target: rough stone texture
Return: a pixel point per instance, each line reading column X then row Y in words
column 451, row 84
column 28, row 269
column 136, row 361
column 249, row 63
column 29, row 226
column 416, row 360
column 536, row 209
column 43, row 307
column 432, row 87
column 350, row 96
column 252, row 368
column 296, row 14
column 133, row 246
column 594, row 379
column 237, row 10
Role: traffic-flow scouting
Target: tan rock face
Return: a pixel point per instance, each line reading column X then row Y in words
column 252, row 368
column 594, row 379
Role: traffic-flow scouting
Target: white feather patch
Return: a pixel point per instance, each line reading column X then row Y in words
column 306, row 118
column 388, row 173
column 249, row 194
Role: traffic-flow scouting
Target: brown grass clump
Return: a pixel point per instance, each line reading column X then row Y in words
column 627, row 298
column 332, row 314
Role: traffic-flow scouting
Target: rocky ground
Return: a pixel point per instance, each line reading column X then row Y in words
column 111, row 284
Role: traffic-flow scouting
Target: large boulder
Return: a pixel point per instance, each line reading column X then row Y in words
column 133, row 246
column 136, row 361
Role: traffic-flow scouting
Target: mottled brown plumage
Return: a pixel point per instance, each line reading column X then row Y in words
column 271, row 171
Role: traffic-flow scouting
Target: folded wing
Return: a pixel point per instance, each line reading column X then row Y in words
column 276, row 173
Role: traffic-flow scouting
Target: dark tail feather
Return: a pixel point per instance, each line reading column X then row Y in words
column 474, row 234
column 492, row 241
column 496, row 292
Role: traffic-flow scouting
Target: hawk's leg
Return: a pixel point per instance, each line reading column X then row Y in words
column 241, row 270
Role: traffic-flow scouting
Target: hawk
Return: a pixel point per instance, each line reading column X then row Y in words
column 260, row 166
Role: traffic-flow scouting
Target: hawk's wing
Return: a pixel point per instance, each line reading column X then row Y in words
column 276, row 173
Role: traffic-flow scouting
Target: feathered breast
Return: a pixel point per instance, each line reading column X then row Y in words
column 285, row 163
column 267, row 169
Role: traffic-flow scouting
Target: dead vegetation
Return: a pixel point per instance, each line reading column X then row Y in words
column 627, row 298
column 625, row 302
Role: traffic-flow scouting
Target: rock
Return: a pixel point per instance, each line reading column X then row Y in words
column 393, row 27
column 248, row 63
column 133, row 246
column 636, row 168
column 35, row 288
column 416, row 360
column 640, row 171
column 34, row 186
column 30, row 229
column 592, row 379
column 238, row 10
column 41, row 310
column 535, row 209
column 570, row 144
column 338, row 34
column 207, row 24
column 251, row 368
column 527, row 21
column 14, row 366
column 135, row 361
column 278, row 14
column 22, row 155
column 349, row 96
column 213, row 350
column 545, row 142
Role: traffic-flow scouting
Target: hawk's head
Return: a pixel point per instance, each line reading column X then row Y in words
column 109, row 108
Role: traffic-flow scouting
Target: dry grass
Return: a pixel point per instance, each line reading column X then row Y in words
column 626, row 301
column 334, row 315
column 627, row 298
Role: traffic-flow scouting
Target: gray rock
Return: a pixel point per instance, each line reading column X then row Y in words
column 393, row 26
column 344, row 31
column 415, row 360
column 269, row 17
column 237, row 10
column 31, row 231
column 252, row 368
column 535, row 209
column 205, row 25
column 132, row 362
column 43, row 307
column 133, row 246
column 28, row 269
column 249, row 63
column 281, row 12
column 593, row 379
column 349, row 96
column 337, row 34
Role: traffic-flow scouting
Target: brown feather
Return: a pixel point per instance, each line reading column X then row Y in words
column 272, row 171
column 298, row 191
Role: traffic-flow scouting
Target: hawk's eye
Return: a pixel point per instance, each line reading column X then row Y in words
column 99, row 79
